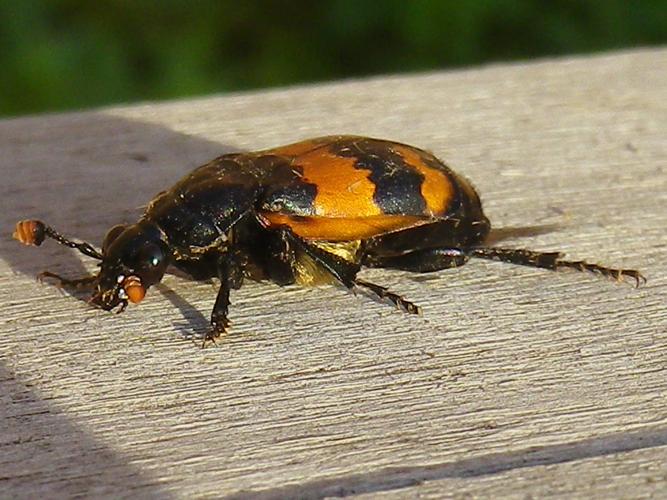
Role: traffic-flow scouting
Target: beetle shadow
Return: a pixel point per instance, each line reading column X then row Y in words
column 395, row 478
column 192, row 325
column 91, row 173
column 510, row 232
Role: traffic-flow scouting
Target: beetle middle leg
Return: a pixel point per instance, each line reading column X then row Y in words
column 345, row 272
column 394, row 298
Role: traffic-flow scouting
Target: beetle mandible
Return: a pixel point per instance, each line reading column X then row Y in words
column 310, row 212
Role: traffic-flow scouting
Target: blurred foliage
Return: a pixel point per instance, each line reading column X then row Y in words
column 64, row 54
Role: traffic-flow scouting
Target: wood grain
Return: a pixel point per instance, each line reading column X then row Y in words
column 516, row 382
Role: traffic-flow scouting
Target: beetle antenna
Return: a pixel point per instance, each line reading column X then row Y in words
column 33, row 232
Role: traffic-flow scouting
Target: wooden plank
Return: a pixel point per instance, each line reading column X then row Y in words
column 515, row 382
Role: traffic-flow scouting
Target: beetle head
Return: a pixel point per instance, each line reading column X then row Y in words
column 134, row 258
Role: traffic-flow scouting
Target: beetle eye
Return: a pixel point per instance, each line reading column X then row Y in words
column 111, row 236
column 150, row 255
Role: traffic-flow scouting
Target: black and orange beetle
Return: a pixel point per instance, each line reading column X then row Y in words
column 310, row 212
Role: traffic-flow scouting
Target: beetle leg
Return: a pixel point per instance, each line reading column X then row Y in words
column 553, row 261
column 230, row 275
column 280, row 269
column 219, row 320
column 346, row 273
column 394, row 298
column 435, row 259
column 421, row 261
column 342, row 270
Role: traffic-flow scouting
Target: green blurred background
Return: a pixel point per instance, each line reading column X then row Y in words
column 57, row 55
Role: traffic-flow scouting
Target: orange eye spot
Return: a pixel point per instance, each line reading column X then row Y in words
column 134, row 289
column 29, row 232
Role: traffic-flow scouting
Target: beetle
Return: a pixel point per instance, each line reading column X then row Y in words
column 310, row 212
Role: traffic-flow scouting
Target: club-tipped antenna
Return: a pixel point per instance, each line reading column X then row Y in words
column 33, row 232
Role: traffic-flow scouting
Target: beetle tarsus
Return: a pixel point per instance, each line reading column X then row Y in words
column 609, row 272
column 219, row 330
column 384, row 293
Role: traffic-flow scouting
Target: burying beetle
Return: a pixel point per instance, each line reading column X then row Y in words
column 311, row 212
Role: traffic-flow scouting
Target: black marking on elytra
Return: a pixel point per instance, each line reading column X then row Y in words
column 287, row 192
column 397, row 184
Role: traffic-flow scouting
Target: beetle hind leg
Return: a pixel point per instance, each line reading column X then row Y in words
column 553, row 262
column 436, row 259
column 421, row 261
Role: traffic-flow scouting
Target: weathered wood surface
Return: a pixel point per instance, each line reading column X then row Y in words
column 516, row 382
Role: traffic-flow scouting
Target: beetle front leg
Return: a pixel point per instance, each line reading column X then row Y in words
column 230, row 273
